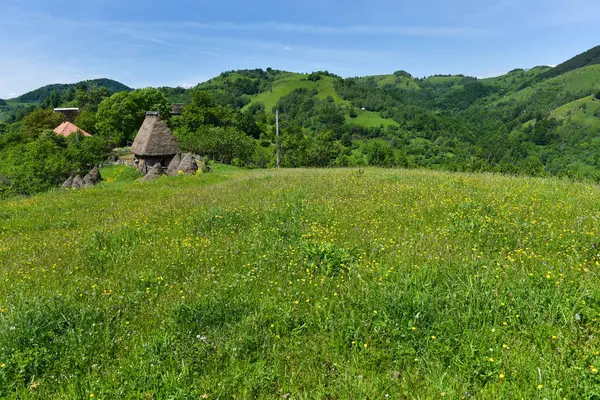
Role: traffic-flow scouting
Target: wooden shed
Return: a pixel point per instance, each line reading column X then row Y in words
column 154, row 143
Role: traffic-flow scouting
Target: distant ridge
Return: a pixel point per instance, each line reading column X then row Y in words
column 590, row 57
column 41, row 94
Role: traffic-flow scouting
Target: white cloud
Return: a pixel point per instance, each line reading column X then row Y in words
column 287, row 48
column 187, row 85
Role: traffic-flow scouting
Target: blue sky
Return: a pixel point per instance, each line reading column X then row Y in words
column 183, row 42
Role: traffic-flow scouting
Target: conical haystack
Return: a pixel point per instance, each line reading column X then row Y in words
column 155, row 172
column 95, row 173
column 77, row 182
column 68, row 183
column 188, row 164
column 174, row 165
column 88, row 179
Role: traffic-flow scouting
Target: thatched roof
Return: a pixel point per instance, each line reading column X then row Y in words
column 154, row 138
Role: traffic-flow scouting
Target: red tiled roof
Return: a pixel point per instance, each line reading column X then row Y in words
column 66, row 129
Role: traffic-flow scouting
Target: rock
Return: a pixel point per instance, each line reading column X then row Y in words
column 68, row 183
column 96, row 177
column 88, row 180
column 174, row 165
column 77, row 182
column 188, row 165
column 154, row 173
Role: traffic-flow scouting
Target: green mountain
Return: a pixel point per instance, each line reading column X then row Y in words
column 40, row 95
column 590, row 57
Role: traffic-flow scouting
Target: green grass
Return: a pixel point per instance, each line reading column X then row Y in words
column 283, row 87
column 303, row 284
column 369, row 119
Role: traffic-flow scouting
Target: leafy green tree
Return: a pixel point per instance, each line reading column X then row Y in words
column 205, row 111
column 597, row 95
column 118, row 118
column 89, row 99
column 40, row 120
column 121, row 115
column 86, row 120
column 380, row 155
column 224, row 144
column 247, row 124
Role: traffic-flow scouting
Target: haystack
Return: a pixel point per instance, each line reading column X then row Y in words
column 87, row 179
column 188, row 164
column 68, row 183
column 96, row 177
column 154, row 173
column 78, row 183
column 154, row 143
column 174, row 165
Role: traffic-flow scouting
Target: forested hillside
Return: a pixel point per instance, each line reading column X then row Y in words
column 541, row 121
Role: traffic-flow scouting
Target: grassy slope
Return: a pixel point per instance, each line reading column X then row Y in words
column 369, row 119
column 514, row 79
column 283, row 87
column 316, row 283
column 402, row 82
column 325, row 86
column 578, row 81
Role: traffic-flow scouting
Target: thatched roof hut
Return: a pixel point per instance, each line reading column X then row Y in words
column 154, row 143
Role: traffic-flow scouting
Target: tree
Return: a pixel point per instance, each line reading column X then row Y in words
column 205, row 111
column 121, row 115
column 247, row 124
column 90, row 99
column 598, row 95
column 40, row 120
column 86, row 120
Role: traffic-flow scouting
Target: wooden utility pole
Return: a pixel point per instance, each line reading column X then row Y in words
column 277, row 135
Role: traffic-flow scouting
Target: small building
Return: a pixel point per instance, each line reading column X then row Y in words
column 154, row 144
column 176, row 109
column 67, row 129
column 69, row 113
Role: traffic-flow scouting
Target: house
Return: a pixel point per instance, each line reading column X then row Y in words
column 177, row 109
column 69, row 113
column 67, row 129
column 154, row 143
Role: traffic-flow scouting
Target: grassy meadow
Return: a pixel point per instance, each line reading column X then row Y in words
column 302, row 284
